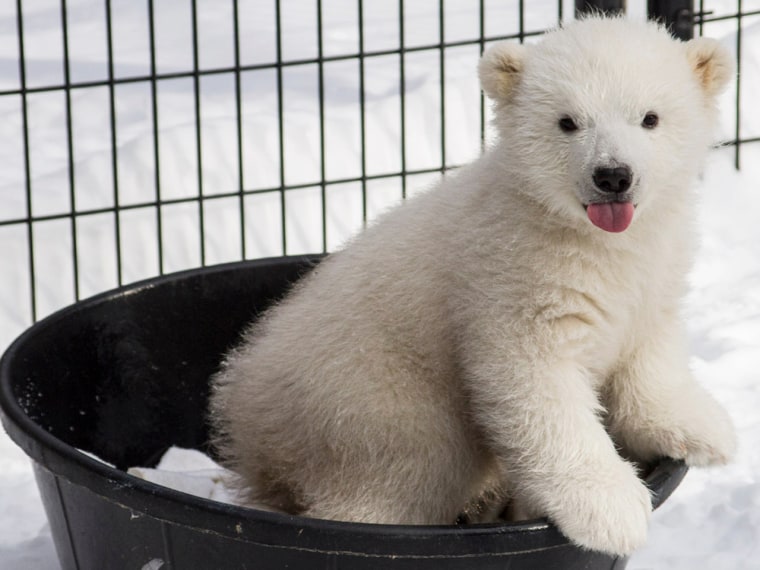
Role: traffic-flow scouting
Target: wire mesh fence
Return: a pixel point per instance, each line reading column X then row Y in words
column 147, row 137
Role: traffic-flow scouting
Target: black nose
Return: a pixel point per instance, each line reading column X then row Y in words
column 616, row 179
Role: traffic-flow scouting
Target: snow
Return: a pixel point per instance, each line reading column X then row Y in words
column 192, row 472
column 713, row 518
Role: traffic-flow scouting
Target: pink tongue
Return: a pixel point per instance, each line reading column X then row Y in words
column 613, row 217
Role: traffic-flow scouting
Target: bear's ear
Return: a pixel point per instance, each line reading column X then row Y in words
column 500, row 69
column 712, row 64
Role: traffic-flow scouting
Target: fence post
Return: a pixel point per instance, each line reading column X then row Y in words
column 604, row 6
column 677, row 15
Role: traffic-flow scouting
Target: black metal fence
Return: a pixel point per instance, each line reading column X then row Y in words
column 145, row 137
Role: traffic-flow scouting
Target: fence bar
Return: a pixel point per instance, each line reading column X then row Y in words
column 482, row 45
column 402, row 93
column 321, row 95
column 234, row 193
column 363, row 112
column 156, row 150
column 604, row 6
column 677, row 15
column 70, row 148
column 737, row 132
column 114, row 145
column 442, row 81
column 198, row 136
column 281, row 125
column 239, row 127
column 27, row 165
column 263, row 66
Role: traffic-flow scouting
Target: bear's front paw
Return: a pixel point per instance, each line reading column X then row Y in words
column 610, row 515
column 706, row 439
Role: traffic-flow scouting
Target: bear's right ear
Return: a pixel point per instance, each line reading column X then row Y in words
column 500, row 69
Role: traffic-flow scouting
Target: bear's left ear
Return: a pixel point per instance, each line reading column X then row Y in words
column 500, row 69
column 712, row 64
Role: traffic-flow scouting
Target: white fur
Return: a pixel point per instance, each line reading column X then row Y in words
column 485, row 339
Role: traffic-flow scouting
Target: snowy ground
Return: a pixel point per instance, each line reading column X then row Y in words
column 713, row 519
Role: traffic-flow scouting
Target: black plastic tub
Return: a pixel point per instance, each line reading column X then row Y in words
column 124, row 375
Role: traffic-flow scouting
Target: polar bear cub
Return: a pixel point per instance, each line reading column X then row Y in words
column 514, row 332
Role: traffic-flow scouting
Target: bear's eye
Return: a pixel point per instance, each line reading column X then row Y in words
column 567, row 125
column 650, row 120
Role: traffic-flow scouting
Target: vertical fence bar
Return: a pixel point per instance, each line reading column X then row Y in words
column 239, row 127
column 677, row 15
column 521, row 20
column 701, row 17
column 70, row 146
column 402, row 94
column 321, row 88
column 156, row 150
column 114, row 142
column 482, row 45
column 362, row 113
column 604, row 6
column 442, row 80
column 281, row 124
column 737, row 132
column 27, row 165
column 198, row 141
